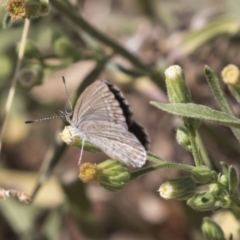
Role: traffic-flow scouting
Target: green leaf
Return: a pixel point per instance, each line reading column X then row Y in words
column 197, row 111
column 6, row 22
column 21, row 218
column 53, row 223
column 219, row 95
column 233, row 179
column 223, row 25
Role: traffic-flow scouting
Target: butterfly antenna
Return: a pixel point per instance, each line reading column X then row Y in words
column 80, row 158
column 65, row 86
column 43, row 119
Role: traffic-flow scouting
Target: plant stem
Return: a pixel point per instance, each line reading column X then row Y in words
column 153, row 158
column 204, row 154
column 77, row 20
column 195, row 151
column 51, row 159
column 178, row 166
column 14, row 80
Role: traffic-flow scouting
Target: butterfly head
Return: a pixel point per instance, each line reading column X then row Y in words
column 68, row 115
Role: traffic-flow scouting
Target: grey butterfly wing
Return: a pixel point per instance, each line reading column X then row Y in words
column 97, row 103
column 115, row 141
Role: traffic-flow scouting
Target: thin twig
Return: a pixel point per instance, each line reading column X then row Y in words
column 178, row 166
column 195, row 150
column 14, row 80
column 21, row 196
column 77, row 20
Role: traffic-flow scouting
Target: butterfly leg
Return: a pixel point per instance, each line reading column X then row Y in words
column 80, row 158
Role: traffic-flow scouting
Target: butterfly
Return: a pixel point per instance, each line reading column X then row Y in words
column 103, row 117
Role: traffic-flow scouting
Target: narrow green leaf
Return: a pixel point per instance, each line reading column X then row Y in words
column 225, row 168
column 194, row 39
column 233, row 179
column 220, row 97
column 6, row 22
column 53, row 223
column 81, row 209
column 20, row 217
column 235, row 92
column 197, row 111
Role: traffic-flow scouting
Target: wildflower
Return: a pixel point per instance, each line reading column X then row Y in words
column 177, row 89
column 180, row 188
column 110, row 174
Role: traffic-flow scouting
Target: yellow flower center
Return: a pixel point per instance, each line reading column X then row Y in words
column 88, row 172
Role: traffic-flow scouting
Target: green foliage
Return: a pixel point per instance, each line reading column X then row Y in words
column 197, row 111
column 211, row 230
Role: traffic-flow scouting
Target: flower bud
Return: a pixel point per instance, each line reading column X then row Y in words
column 223, row 180
column 64, row 48
column 31, row 50
column 30, row 75
column 177, row 89
column 111, row 174
column 180, row 189
column 69, row 136
column 215, row 189
column 183, row 138
column 226, row 202
column 231, row 75
column 44, row 7
column 211, row 230
column 202, row 174
column 232, row 179
column 16, row 9
column 21, row 9
column 202, row 201
column 224, row 168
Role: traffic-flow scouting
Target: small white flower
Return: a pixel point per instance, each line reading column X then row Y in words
column 179, row 189
column 66, row 135
column 166, row 190
column 173, row 71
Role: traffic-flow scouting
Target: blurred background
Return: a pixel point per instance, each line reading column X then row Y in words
column 153, row 35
